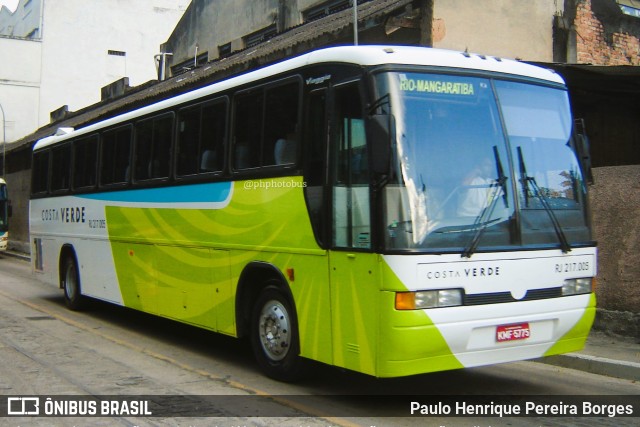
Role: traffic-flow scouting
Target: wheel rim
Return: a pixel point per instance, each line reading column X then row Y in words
column 70, row 285
column 274, row 328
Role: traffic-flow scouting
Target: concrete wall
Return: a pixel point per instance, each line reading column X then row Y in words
column 77, row 38
column 71, row 61
column 615, row 202
column 504, row 28
column 19, row 85
column 19, row 185
column 212, row 23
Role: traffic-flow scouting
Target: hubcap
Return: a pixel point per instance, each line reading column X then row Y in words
column 274, row 328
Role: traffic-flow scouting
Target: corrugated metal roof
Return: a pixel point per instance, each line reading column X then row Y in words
column 612, row 79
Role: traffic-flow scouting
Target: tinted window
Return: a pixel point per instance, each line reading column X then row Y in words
column 116, row 156
column 248, row 129
column 266, row 126
column 60, row 168
column 85, row 158
column 153, row 147
column 40, row 172
column 201, row 132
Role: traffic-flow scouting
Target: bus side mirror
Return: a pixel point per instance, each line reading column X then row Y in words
column 9, row 209
column 380, row 131
column 584, row 154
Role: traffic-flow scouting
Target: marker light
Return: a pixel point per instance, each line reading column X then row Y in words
column 428, row 299
column 582, row 285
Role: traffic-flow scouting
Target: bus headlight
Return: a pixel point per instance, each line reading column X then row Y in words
column 428, row 299
column 582, row 285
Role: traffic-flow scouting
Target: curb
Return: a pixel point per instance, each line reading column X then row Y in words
column 596, row 365
column 18, row 255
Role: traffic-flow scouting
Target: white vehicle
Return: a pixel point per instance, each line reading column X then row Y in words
column 390, row 210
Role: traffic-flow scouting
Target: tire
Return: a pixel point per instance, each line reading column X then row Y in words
column 274, row 336
column 70, row 283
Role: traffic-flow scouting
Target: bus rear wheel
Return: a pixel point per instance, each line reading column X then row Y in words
column 70, row 279
column 274, row 336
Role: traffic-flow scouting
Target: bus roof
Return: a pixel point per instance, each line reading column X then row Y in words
column 368, row 55
column 414, row 55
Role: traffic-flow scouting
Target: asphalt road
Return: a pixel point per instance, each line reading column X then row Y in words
column 46, row 350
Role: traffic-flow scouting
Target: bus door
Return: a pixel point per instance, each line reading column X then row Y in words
column 353, row 267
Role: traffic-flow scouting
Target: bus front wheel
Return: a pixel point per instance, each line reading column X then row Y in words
column 274, row 336
column 71, row 284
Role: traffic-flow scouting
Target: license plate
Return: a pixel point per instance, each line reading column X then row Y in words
column 514, row 332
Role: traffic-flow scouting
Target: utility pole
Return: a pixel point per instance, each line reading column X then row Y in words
column 355, row 22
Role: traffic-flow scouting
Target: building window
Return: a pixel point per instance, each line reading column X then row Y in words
column 630, row 7
column 190, row 64
column 260, row 36
column 224, row 50
column 327, row 8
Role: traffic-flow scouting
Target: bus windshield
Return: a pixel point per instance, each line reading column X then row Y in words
column 4, row 208
column 480, row 164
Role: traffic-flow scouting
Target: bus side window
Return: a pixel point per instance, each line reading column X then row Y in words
column 61, row 168
column 265, row 129
column 40, row 172
column 248, row 130
column 214, row 124
column 153, row 147
column 189, row 121
column 85, row 158
column 281, row 125
column 116, row 156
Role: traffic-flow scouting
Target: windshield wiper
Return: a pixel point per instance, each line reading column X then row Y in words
column 525, row 179
column 482, row 220
column 378, row 103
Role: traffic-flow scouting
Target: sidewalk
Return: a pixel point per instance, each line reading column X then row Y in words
column 614, row 356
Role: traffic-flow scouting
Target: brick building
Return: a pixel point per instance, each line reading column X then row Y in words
column 606, row 35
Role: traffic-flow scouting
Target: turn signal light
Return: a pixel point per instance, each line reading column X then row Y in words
column 428, row 299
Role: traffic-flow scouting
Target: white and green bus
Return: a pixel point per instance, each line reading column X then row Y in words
column 5, row 213
column 389, row 210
